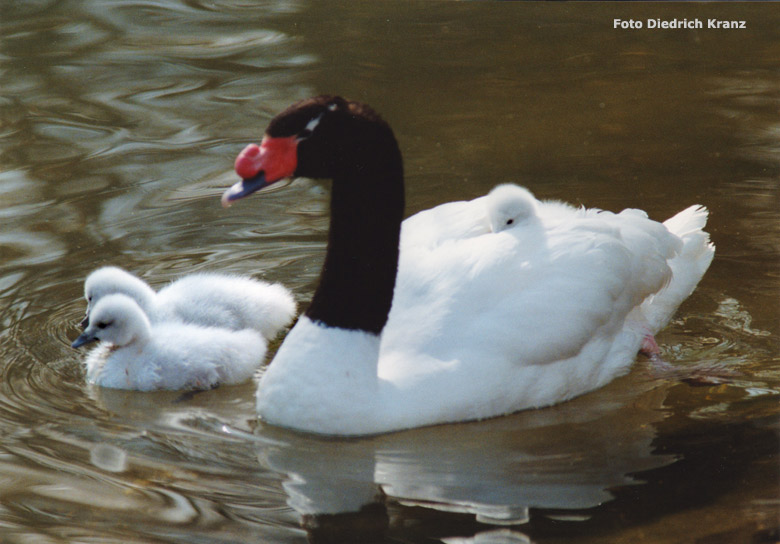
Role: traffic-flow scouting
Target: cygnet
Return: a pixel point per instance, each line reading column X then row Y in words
column 134, row 354
column 508, row 206
column 207, row 299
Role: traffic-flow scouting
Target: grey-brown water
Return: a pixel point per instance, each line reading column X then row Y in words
column 119, row 123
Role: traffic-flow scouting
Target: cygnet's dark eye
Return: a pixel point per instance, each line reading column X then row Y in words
column 510, row 221
column 89, row 298
column 103, row 324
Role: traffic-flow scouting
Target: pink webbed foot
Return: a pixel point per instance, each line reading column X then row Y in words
column 697, row 375
column 651, row 350
column 649, row 346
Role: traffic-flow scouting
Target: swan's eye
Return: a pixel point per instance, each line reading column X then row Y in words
column 89, row 298
column 103, row 324
column 308, row 130
column 510, row 221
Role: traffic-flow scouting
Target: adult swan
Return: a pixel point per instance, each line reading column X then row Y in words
column 463, row 322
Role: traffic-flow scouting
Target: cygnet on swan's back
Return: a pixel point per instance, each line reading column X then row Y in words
column 207, row 299
column 134, row 354
column 509, row 205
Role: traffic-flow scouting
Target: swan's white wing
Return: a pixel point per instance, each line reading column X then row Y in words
column 533, row 295
column 446, row 222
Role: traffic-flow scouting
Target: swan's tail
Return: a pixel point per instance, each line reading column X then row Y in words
column 688, row 266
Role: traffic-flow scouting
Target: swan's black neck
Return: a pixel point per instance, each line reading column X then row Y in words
column 367, row 204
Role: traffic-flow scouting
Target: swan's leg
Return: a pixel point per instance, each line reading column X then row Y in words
column 650, row 346
column 696, row 375
column 651, row 350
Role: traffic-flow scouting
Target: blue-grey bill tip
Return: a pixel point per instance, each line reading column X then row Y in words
column 243, row 188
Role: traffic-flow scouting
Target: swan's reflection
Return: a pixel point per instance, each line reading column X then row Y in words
column 565, row 457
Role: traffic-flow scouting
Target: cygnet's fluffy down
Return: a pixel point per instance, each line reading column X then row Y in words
column 508, row 206
column 134, row 354
column 207, row 299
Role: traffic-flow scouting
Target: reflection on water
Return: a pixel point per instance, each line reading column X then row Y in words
column 551, row 458
column 119, row 122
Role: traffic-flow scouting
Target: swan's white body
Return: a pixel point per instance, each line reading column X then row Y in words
column 486, row 323
column 206, row 299
column 134, row 354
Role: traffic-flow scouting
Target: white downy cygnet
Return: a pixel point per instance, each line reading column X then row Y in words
column 508, row 206
column 134, row 354
column 207, row 299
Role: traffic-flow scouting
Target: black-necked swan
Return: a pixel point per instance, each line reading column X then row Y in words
column 204, row 298
column 134, row 354
column 454, row 328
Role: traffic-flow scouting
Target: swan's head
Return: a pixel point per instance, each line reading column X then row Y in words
column 316, row 138
column 509, row 206
column 109, row 280
column 116, row 319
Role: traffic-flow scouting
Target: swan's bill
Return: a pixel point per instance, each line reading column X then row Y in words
column 243, row 188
